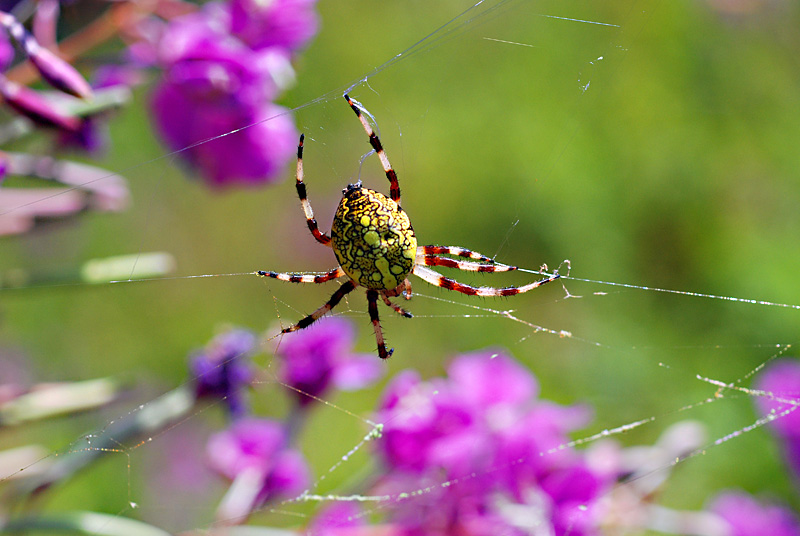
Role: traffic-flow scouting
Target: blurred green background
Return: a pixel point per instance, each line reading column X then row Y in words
column 662, row 152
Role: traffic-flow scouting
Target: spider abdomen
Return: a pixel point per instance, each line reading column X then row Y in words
column 373, row 239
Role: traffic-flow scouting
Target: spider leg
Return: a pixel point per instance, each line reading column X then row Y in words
column 407, row 288
column 434, row 278
column 397, row 309
column 394, row 185
column 372, row 303
column 303, row 278
column 435, row 260
column 321, row 237
column 454, row 250
column 330, row 304
column 403, row 289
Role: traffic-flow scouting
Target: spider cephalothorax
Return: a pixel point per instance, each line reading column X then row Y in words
column 376, row 247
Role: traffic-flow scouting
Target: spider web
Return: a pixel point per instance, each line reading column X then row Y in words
column 617, row 137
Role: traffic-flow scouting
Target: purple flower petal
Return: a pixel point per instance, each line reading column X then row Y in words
column 573, row 485
column 250, row 156
column 4, row 165
column 257, row 447
column 53, row 69
column 398, row 388
column 782, row 380
column 747, row 517
column 290, row 476
column 282, row 23
column 249, row 443
column 6, row 51
column 91, row 136
column 358, row 372
column 217, row 88
column 335, row 519
column 510, row 382
column 317, row 358
column 462, row 453
column 35, row 107
column 222, row 369
column 423, row 417
column 60, row 74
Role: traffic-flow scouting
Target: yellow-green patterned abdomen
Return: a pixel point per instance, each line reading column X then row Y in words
column 373, row 239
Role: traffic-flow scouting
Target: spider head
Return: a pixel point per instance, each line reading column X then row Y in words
column 351, row 187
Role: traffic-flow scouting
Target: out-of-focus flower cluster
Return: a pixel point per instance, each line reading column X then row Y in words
column 475, row 453
column 256, row 454
column 484, row 429
column 73, row 109
column 318, row 359
column 223, row 67
column 222, row 370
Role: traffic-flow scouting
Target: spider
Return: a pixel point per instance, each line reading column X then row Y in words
column 376, row 247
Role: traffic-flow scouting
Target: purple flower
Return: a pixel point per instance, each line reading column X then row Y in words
column 320, row 357
column 283, row 23
column 4, row 165
column 53, row 69
column 421, row 420
column 6, row 51
column 91, row 135
column 222, row 369
column 337, row 519
column 501, row 451
column 215, row 84
column 32, row 105
column 60, row 74
column 782, row 380
column 256, row 451
column 748, row 517
column 511, row 383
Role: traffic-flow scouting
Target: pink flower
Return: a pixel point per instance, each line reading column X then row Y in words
column 222, row 68
column 222, row 370
column 499, row 449
column 322, row 356
column 256, row 450
column 283, row 23
column 748, row 517
column 781, row 379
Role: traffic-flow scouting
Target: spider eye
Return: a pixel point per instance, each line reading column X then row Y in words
column 352, row 187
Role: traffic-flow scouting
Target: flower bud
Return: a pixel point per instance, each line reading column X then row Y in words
column 33, row 106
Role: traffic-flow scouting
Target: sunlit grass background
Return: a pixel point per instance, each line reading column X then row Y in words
column 661, row 152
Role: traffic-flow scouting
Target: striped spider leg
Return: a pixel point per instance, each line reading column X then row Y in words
column 432, row 256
